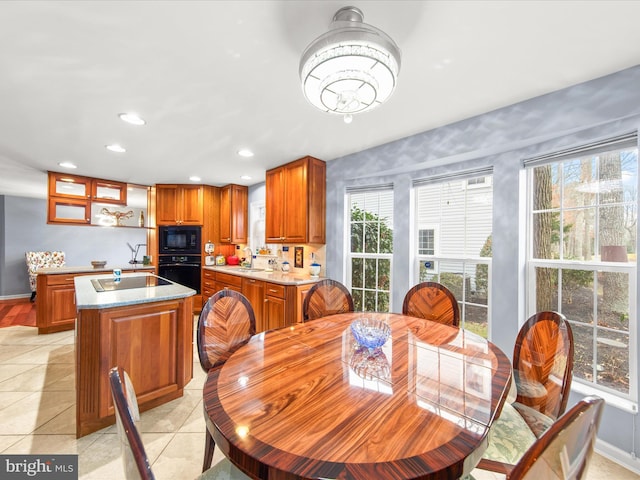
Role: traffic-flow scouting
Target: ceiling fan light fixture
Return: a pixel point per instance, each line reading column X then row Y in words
column 350, row 69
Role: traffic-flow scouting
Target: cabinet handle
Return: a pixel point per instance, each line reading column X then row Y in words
column 273, row 291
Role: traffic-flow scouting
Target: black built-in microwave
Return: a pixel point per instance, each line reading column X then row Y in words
column 179, row 240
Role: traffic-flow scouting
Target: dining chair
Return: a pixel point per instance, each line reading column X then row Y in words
column 564, row 450
column 432, row 301
column 542, row 369
column 36, row 260
column 326, row 297
column 135, row 459
column 226, row 322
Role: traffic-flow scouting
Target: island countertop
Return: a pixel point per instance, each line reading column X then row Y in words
column 88, row 298
column 289, row 278
column 88, row 269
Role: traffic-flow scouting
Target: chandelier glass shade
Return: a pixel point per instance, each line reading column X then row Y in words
column 350, row 69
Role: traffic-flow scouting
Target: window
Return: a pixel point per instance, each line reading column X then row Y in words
column 371, row 249
column 426, row 241
column 582, row 255
column 453, row 225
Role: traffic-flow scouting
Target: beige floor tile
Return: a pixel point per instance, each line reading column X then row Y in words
column 170, row 416
column 42, row 377
column 7, row 441
column 195, row 423
column 33, row 411
column 9, row 398
column 63, row 423
column 47, row 354
column 8, row 353
column 50, row 444
column 10, row 370
column 182, row 458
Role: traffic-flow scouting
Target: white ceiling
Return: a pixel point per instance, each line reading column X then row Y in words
column 211, row 77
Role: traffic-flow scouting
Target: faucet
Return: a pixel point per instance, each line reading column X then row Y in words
column 134, row 253
column 250, row 256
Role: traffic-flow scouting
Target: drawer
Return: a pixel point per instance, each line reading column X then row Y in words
column 274, row 290
column 60, row 279
column 229, row 279
column 208, row 274
column 206, row 293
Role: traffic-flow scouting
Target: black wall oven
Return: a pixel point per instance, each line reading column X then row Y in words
column 182, row 269
column 176, row 240
column 179, row 255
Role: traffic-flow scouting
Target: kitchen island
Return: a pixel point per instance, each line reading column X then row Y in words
column 142, row 323
column 55, row 306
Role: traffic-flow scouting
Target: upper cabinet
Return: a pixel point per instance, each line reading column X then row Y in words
column 296, row 202
column 179, row 204
column 233, row 213
column 71, row 197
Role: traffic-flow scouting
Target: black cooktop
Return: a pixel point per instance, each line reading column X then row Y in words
column 126, row 283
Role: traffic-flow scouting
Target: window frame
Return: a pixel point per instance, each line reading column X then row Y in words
column 627, row 401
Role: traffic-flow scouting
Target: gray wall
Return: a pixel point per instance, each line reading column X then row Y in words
column 581, row 114
column 24, row 227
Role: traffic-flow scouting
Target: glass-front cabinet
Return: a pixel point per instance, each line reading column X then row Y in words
column 75, row 199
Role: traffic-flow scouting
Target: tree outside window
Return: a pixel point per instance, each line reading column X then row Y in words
column 371, row 249
column 583, row 223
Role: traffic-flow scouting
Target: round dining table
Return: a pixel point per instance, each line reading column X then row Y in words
column 309, row 402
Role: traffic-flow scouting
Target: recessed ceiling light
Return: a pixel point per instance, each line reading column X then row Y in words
column 131, row 118
column 194, row 178
column 115, row 148
column 245, row 152
column 245, row 177
column 67, row 165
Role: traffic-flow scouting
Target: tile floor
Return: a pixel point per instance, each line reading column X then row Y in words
column 37, row 415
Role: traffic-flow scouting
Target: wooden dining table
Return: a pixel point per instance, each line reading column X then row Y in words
column 308, row 402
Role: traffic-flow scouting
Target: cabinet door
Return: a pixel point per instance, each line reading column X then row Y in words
column 274, row 313
column 69, row 210
column 69, row 186
column 167, row 201
column 274, row 203
column 105, row 191
column 254, row 291
column 62, row 299
column 192, row 202
column 239, row 213
column 295, row 201
column 225, row 214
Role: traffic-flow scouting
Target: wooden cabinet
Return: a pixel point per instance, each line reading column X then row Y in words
column 275, row 307
column 296, row 202
column 153, row 342
column 225, row 280
column 254, row 291
column 179, row 204
column 56, row 300
column 208, row 286
column 234, row 213
column 70, row 197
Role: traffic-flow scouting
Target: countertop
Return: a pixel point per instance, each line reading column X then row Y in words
column 86, row 269
column 88, row 298
column 289, row 278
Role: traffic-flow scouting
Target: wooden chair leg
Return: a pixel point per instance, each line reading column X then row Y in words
column 209, row 447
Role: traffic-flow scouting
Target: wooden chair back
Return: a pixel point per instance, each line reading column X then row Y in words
column 136, row 462
column 565, row 449
column 543, row 363
column 432, row 301
column 226, row 322
column 327, row 297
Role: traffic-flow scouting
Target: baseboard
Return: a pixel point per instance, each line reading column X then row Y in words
column 15, row 297
column 627, row 460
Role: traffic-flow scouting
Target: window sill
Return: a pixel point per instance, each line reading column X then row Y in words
column 610, row 398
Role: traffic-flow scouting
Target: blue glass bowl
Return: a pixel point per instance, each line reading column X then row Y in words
column 369, row 332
